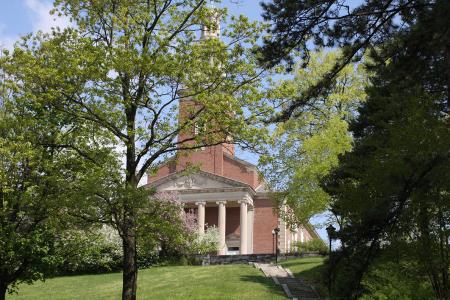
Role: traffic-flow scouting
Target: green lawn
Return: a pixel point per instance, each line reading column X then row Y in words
column 175, row 282
column 310, row 269
column 178, row 282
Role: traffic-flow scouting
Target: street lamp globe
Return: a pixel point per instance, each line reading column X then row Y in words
column 331, row 231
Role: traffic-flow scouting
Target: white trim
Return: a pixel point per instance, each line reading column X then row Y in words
column 172, row 177
column 213, row 197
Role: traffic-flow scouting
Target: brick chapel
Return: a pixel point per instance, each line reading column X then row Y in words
column 227, row 192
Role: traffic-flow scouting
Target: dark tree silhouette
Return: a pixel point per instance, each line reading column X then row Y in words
column 299, row 25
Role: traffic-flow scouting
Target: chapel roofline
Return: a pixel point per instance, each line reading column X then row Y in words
column 229, row 156
column 227, row 180
column 239, row 160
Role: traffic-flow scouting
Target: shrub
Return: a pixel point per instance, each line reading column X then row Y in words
column 91, row 251
column 314, row 245
column 396, row 280
column 147, row 257
column 206, row 243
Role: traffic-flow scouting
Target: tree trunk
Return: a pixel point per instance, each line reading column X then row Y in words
column 3, row 290
column 443, row 249
column 446, row 47
column 447, row 58
column 130, row 270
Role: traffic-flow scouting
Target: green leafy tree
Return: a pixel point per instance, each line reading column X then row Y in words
column 392, row 189
column 299, row 26
column 391, row 194
column 394, row 276
column 33, row 179
column 306, row 148
column 119, row 76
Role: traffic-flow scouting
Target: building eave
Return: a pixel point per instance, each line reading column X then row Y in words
column 234, row 183
column 241, row 161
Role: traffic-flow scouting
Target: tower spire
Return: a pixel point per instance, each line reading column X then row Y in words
column 212, row 28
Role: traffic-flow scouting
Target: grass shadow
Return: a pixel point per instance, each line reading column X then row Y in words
column 310, row 269
column 288, row 264
column 315, row 276
column 315, row 273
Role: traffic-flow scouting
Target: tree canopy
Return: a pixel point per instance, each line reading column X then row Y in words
column 391, row 194
column 33, row 184
column 298, row 26
column 306, row 148
column 118, row 77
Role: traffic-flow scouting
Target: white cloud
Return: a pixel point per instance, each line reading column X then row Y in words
column 6, row 41
column 41, row 19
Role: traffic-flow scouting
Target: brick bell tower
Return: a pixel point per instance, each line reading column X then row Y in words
column 216, row 159
column 210, row 158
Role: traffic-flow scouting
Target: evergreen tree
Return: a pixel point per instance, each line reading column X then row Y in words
column 391, row 194
column 296, row 26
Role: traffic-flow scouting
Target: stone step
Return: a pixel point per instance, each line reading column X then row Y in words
column 301, row 294
column 300, row 288
column 294, row 288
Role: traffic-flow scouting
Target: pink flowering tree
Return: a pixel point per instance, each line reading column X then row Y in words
column 190, row 221
column 165, row 226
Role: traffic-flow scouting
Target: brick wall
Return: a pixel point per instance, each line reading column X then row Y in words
column 240, row 172
column 211, row 216
column 212, row 160
column 162, row 171
column 265, row 222
column 233, row 222
column 306, row 235
column 232, row 219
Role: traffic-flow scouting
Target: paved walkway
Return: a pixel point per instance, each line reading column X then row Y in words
column 295, row 288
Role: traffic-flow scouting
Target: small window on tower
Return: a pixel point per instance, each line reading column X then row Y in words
column 196, row 129
column 199, row 128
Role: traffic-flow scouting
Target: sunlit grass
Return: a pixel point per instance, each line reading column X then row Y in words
column 174, row 282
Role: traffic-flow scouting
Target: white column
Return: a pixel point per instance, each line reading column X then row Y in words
column 201, row 217
column 222, row 226
column 302, row 237
column 243, row 246
column 250, row 218
column 295, row 239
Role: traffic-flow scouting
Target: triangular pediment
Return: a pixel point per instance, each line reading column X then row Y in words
column 195, row 181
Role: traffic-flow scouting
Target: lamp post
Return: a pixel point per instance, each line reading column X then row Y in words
column 273, row 241
column 275, row 233
column 331, row 231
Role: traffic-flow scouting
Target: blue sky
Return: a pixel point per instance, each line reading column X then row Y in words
column 20, row 17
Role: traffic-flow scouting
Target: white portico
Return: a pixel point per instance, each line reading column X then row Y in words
column 218, row 195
